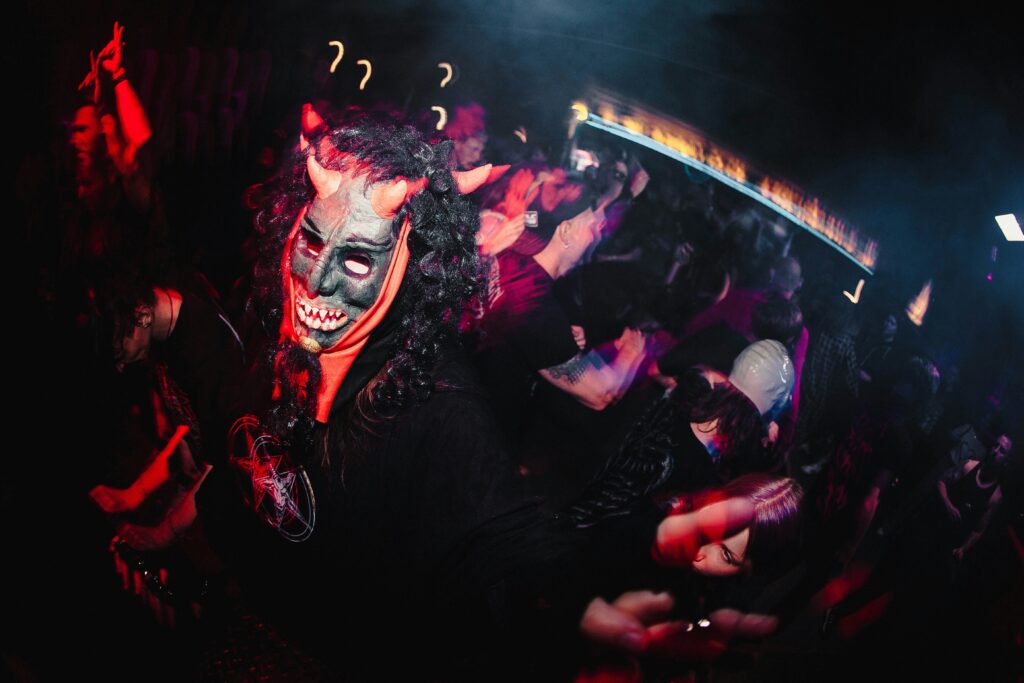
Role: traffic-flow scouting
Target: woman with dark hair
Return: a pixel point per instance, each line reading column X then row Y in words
column 751, row 525
column 378, row 460
column 768, row 541
column 706, row 431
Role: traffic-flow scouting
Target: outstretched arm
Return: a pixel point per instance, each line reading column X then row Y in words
column 680, row 536
column 948, row 478
column 593, row 382
column 975, row 535
column 637, row 622
column 175, row 523
column 113, row 500
column 131, row 117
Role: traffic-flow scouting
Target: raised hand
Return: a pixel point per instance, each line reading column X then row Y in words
column 92, row 78
column 637, row 623
column 631, row 341
column 110, row 56
column 579, row 335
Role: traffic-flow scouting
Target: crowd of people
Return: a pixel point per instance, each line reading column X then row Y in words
column 526, row 419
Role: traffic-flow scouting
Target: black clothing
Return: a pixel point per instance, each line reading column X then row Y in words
column 204, row 356
column 423, row 550
column 716, row 347
column 660, row 454
column 972, row 492
column 524, row 330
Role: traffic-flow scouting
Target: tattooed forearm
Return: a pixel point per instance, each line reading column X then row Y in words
column 573, row 369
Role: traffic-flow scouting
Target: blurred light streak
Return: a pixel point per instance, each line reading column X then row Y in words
column 855, row 297
column 1011, row 227
column 446, row 67
column 341, row 52
column 520, row 133
column 369, row 70
column 842, row 586
column 918, row 306
column 443, row 120
column 773, row 195
column 873, row 611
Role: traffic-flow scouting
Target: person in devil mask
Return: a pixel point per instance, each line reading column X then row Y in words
column 378, row 460
column 404, row 541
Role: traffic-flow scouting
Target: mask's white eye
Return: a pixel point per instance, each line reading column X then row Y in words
column 357, row 264
column 312, row 243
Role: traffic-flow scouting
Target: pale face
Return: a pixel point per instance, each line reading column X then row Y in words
column 1002, row 448
column 339, row 259
column 723, row 558
column 469, row 152
column 84, row 140
column 574, row 239
column 84, row 132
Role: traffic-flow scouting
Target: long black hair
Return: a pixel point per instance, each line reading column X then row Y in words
column 443, row 271
column 737, row 422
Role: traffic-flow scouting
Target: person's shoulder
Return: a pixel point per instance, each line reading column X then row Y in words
column 456, row 379
column 456, row 408
column 511, row 262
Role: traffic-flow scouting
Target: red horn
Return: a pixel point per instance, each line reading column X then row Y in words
column 311, row 121
column 325, row 181
column 387, row 198
column 467, row 181
column 497, row 172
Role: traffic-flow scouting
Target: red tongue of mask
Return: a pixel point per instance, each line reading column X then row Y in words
column 387, row 199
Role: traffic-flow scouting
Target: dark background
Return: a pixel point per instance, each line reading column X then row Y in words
column 906, row 124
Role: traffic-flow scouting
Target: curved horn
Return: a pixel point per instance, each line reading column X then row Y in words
column 311, row 121
column 387, row 198
column 325, row 181
column 497, row 172
column 467, row 181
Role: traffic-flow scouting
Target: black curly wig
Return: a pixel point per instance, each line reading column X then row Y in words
column 443, row 271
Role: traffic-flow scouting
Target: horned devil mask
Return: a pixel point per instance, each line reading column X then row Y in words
column 345, row 258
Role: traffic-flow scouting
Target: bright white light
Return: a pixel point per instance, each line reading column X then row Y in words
column 855, row 297
column 447, row 68
column 1010, row 227
column 442, row 120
